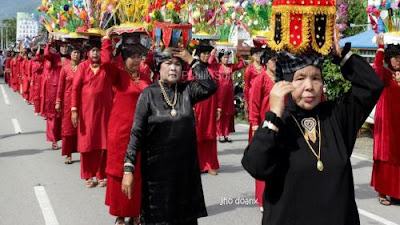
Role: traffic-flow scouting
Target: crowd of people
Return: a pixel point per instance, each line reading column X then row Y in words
column 146, row 131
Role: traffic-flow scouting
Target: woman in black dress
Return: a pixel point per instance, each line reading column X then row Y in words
column 164, row 131
column 303, row 147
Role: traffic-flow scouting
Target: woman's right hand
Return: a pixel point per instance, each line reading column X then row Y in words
column 127, row 184
column 277, row 97
column 380, row 40
column 58, row 107
column 74, row 119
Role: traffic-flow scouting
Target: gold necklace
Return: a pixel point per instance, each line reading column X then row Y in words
column 320, row 165
column 133, row 76
column 173, row 112
column 258, row 68
column 74, row 67
column 95, row 68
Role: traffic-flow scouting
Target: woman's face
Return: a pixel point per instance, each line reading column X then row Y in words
column 76, row 55
column 64, row 49
column 308, row 87
column 395, row 62
column 225, row 59
column 271, row 64
column 133, row 61
column 204, row 56
column 171, row 71
column 256, row 57
column 94, row 55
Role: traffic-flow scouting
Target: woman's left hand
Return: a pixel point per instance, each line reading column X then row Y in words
column 127, row 184
column 183, row 54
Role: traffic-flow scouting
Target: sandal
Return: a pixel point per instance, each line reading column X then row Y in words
column 54, row 146
column 212, row 172
column 134, row 221
column 102, row 183
column 90, row 183
column 228, row 139
column 384, row 201
column 68, row 160
column 120, row 221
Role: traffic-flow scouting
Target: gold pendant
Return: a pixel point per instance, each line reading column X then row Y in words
column 174, row 113
column 320, row 165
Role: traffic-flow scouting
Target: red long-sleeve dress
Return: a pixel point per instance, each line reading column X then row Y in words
column 249, row 76
column 258, row 106
column 225, row 124
column 127, row 92
column 37, row 72
column 386, row 168
column 64, row 91
column 92, row 95
column 206, row 127
column 52, row 73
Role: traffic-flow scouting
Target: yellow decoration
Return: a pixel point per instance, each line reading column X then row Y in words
column 133, row 11
column 308, row 33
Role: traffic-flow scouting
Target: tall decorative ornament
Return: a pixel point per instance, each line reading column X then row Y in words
column 302, row 25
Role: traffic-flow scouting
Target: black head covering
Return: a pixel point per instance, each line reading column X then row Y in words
column 287, row 64
column 161, row 56
column 255, row 50
column 72, row 48
column 204, row 46
column 267, row 54
column 223, row 52
column 129, row 50
column 390, row 52
column 94, row 42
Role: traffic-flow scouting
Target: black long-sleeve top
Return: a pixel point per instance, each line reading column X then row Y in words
column 296, row 192
column 171, row 184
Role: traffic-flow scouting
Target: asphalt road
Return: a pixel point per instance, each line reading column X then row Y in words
column 37, row 188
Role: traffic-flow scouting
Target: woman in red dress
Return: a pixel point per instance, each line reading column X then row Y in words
column 7, row 68
column 37, row 71
column 128, row 84
column 259, row 105
column 91, row 103
column 63, row 105
column 252, row 71
column 53, row 119
column 386, row 168
column 206, row 118
column 225, row 105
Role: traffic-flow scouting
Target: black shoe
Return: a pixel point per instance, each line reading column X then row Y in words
column 228, row 139
column 221, row 139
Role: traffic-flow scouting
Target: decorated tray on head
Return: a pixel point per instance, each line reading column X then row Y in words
column 385, row 19
column 134, row 16
column 302, row 25
column 170, row 23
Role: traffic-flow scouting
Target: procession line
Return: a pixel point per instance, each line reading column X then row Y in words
column 5, row 96
column 45, row 205
column 17, row 128
column 376, row 217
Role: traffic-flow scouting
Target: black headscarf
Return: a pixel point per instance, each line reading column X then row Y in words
column 129, row 50
column 390, row 52
column 223, row 52
column 287, row 64
column 255, row 50
column 267, row 54
column 161, row 56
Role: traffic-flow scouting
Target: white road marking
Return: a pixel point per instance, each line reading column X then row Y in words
column 376, row 217
column 17, row 128
column 45, row 205
column 5, row 96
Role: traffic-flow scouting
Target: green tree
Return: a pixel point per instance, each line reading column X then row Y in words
column 334, row 82
column 11, row 25
column 356, row 10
